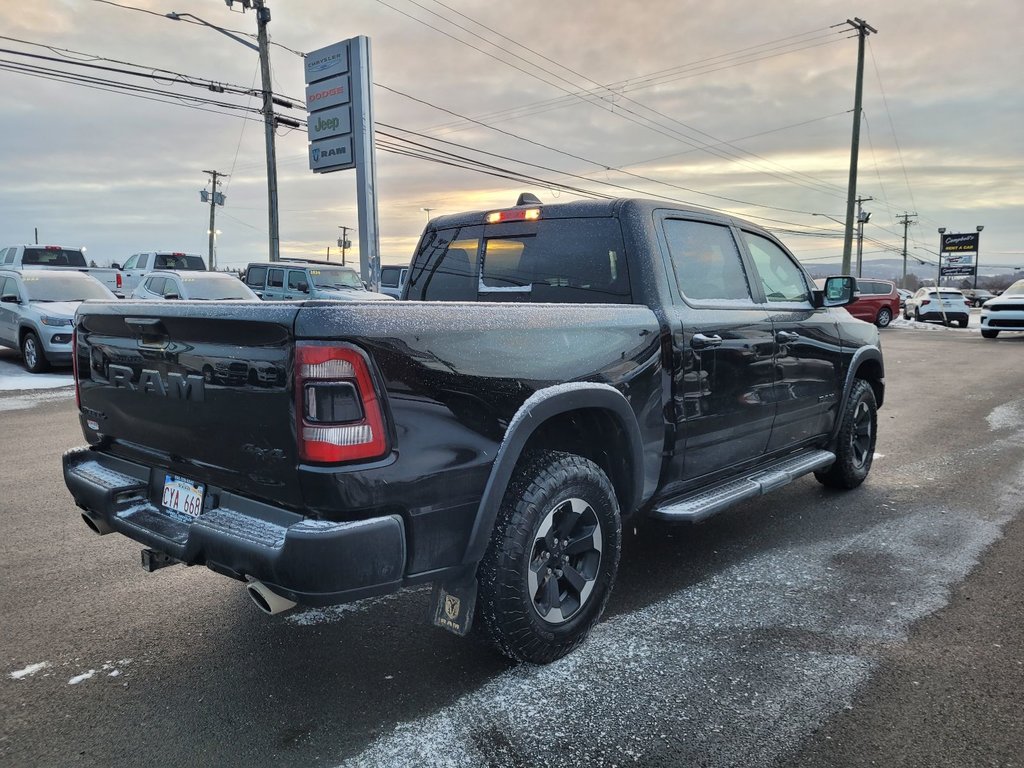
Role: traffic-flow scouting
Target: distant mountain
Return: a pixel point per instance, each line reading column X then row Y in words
column 887, row 269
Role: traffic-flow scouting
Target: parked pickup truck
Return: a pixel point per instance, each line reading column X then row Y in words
column 138, row 265
column 57, row 257
column 557, row 371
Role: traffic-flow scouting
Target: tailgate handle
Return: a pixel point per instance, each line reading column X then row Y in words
column 148, row 330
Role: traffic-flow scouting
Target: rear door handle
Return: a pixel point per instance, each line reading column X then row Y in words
column 786, row 337
column 700, row 341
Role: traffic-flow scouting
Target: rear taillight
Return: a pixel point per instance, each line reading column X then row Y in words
column 925, row 301
column 74, row 367
column 338, row 416
column 118, row 279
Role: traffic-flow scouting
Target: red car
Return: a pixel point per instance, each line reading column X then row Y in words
column 877, row 302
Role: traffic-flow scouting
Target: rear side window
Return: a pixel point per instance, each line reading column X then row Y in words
column 706, row 261
column 275, row 278
column 53, row 257
column 445, row 267
column 256, row 277
column 156, row 285
column 296, row 278
column 389, row 276
column 558, row 260
column 782, row 279
column 143, row 260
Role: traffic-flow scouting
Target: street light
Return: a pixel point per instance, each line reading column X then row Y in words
column 427, row 211
column 179, row 16
column 862, row 218
column 269, row 121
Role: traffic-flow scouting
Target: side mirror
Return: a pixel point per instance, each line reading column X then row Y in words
column 9, row 298
column 115, row 265
column 304, row 287
column 839, row 291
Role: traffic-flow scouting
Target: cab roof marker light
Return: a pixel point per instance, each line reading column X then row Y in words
column 513, row 214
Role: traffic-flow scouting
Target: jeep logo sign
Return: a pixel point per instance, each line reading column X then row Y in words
column 330, row 122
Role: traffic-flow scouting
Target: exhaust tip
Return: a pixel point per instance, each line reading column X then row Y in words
column 96, row 524
column 266, row 600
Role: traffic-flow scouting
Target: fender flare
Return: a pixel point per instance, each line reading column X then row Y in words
column 541, row 406
column 860, row 356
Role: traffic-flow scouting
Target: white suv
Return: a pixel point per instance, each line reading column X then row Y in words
column 1004, row 313
column 943, row 305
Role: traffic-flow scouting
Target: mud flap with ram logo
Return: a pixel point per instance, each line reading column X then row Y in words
column 453, row 604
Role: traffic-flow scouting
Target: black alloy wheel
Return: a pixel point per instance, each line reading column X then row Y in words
column 565, row 560
column 551, row 562
column 855, row 449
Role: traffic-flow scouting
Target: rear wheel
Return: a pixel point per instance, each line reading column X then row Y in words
column 554, row 551
column 32, row 354
column 917, row 315
column 884, row 317
column 989, row 334
column 856, row 445
column 964, row 321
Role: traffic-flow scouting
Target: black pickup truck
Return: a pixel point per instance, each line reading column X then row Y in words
column 554, row 371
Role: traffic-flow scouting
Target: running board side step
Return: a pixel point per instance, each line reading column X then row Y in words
column 700, row 505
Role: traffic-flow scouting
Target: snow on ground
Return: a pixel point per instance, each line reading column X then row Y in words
column 20, row 389
column 14, row 377
column 110, row 668
column 313, row 616
column 748, row 661
column 30, row 670
column 738, row 631
column 973, row 324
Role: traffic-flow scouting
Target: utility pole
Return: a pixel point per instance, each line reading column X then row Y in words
column 344, row 243
column 262, row 19
column 862, row 219
column 863, row 30
column 906, row 222
column 216, row 198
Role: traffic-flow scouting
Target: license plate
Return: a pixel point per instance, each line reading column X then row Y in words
column 183, row 495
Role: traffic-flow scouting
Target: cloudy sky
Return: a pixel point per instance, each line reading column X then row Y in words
column 739, row 106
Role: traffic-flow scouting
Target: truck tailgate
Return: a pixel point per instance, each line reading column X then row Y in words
column 206, row 392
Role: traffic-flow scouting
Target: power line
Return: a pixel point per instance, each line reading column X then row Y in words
column 711, row 148
column 633, row 117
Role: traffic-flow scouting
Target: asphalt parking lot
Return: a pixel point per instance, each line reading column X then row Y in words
column 807, row 628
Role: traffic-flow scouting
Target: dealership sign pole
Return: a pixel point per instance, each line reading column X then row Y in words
column 340, row 112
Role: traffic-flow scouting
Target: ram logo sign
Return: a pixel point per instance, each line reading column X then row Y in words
column 177, row 387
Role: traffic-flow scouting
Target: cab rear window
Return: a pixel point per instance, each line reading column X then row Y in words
column 553, row 260
column 53, row 257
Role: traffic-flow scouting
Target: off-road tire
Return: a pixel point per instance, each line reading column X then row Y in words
column 884, row 317
column 32, row 354
column 989, row 334
column 546, row 486
column 855, row 447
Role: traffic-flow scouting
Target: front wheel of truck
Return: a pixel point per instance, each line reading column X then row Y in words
column 554, row 551
column 855, row 449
